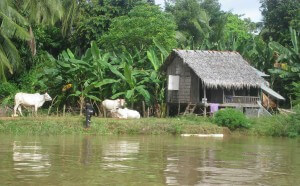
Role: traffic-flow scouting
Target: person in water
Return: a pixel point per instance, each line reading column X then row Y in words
column 89, row 111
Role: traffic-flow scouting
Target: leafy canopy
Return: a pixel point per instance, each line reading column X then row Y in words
column 91, row 19
column 278, row 16
column 138, row 29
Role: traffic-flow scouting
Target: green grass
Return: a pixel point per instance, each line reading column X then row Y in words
column 75, row 125
column 277, row 125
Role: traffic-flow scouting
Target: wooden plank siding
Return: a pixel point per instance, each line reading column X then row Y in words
column 195, row 96
column 183, row 94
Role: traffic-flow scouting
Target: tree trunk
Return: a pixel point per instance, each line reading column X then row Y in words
column 81, row 99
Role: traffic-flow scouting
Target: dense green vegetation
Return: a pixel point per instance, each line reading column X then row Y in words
column 231, row 118
column 80, row 50
column 278, row 125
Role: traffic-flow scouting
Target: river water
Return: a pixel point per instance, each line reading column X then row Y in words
column 148, row 160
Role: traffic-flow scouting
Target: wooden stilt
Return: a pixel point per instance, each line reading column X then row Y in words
column 204, row 95
column 178, row 108
column 168, row 110
column 223, row 95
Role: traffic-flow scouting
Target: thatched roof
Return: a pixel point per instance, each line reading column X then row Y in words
column 219, row 68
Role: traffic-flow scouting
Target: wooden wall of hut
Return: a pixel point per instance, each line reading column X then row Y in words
column 183, row 94
column 195, row 91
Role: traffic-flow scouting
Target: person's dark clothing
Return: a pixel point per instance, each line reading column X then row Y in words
column 89, row 111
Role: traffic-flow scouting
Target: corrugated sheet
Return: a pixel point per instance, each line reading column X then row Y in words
column 272, row 93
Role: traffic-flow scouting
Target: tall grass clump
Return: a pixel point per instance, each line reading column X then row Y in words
column 294, row 123
column 231, row 118
column 277, row 125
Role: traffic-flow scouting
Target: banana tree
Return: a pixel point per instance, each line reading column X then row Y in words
column 135, row 87
column 289, row 57
column 86, row 74
column 157, row 57
column 296, row 91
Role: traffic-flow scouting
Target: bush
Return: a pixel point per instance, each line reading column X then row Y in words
column 294, row 123
column 278, row 125
column 7, row 93
column 231, row 118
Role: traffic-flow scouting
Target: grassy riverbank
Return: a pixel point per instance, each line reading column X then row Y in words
column 75, row 125
column 277, row 125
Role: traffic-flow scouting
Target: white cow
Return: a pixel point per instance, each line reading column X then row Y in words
column 32, row 100
column 127, row 113
column 109, row 105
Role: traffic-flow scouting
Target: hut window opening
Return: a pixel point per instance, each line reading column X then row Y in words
column 173, row 82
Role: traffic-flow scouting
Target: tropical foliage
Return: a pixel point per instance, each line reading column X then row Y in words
column 287, row 66
column 132, row 30
column 92, row 50
column 11, row 27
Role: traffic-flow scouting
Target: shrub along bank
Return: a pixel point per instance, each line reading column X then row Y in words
column 276, row 125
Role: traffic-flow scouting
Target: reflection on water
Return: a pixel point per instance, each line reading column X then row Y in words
column 114, row 153
column 29, row 160
column 86, row 152
column 150, row 160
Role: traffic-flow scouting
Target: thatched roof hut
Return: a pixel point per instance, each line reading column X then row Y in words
column 223, row 69
column 215, row 78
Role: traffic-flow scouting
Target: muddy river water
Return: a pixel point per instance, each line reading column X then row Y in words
column 148, row 160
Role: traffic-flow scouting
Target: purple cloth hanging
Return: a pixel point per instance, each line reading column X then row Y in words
column 214, row 107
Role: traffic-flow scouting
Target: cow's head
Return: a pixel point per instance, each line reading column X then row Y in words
column 47, row 97
column 122, row 102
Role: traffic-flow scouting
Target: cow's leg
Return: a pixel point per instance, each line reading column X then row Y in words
column 20, row 110
column 35, row 110
column 15, row 109
column 104, row 112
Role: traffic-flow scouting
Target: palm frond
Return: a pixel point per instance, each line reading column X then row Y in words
column 13, row 29
column 43, row 11
column 11, row 51
column 70, row 12
column 4, row 62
